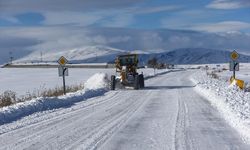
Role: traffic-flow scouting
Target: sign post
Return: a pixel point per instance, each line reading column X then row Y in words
column 62, row 70
column 234, row 65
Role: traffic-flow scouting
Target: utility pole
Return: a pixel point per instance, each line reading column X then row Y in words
column 41, row 54
column 11, row 57
column 96, row 55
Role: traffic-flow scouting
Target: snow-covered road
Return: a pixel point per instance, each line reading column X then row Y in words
column 167, row 114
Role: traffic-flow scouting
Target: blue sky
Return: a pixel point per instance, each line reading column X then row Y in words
column 200, row 15
column 46, row 25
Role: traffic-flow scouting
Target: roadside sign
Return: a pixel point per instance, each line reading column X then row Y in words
column 60, row 71
column 234, row 55
column 234, row 66
column 63, row 71
column 62, row 61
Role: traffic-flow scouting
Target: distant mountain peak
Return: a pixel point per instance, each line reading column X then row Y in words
column 199, row 56
column 101, row 54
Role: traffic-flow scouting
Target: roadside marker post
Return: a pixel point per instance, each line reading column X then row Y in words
column 206, row 67
column 63, row 71
column 234, row 64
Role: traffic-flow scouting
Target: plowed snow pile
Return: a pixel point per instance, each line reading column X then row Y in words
column 232, row 102
column 94, row 86
column 97, row 81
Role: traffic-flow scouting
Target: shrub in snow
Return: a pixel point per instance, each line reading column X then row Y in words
column 213, row 75
column 95, row 86
column 59, row 91
column 7, row 98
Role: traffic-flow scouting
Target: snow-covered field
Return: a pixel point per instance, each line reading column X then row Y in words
column 242, row 74
column 24, row 80
column 29, row 80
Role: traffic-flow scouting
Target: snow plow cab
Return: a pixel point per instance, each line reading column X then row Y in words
column 126, row 67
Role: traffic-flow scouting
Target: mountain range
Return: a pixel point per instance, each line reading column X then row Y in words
column 105, row 54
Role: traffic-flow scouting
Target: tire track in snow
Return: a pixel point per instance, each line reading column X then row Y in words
column 37, row 128
column 47, row 116
column 180, row 141
column 57, row 137
column 212, row 128
column 152, row 127
column 183, row 140
column 63, row 120
column 105, row 130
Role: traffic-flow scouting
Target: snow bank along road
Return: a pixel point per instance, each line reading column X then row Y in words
column 168, row 114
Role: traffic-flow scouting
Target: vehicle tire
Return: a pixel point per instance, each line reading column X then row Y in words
column 141, row 81
column 136, row 83
column 112, row 83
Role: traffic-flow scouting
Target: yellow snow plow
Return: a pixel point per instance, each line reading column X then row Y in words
column 126, row 67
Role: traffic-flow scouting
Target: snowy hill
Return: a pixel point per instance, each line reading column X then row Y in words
column 198, row 56
column 85, row 54
column 104, row 54
column 181, row 56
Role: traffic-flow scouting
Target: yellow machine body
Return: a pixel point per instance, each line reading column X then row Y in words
column 126, row 65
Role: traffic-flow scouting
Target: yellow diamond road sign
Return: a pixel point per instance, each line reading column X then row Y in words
column 234, row 55
column 62, row 60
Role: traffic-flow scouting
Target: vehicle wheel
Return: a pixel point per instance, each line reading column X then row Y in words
column 136, row 83
column 141, row 81
column 112, row 83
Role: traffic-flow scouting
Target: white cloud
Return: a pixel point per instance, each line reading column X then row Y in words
column 55, row 38
column 74, row 12
column 186, row 18
column 229, row 4
column 156, row 9
column 112, row 18
column 75, row 18
column 63, row 5
column 118, row 20
column 197, row 20
column 65, row 38
column 225, row 26
column 111, row 13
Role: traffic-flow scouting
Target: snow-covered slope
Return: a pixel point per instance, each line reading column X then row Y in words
column 104, row 54
column 91, row 53
column 232, row 102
